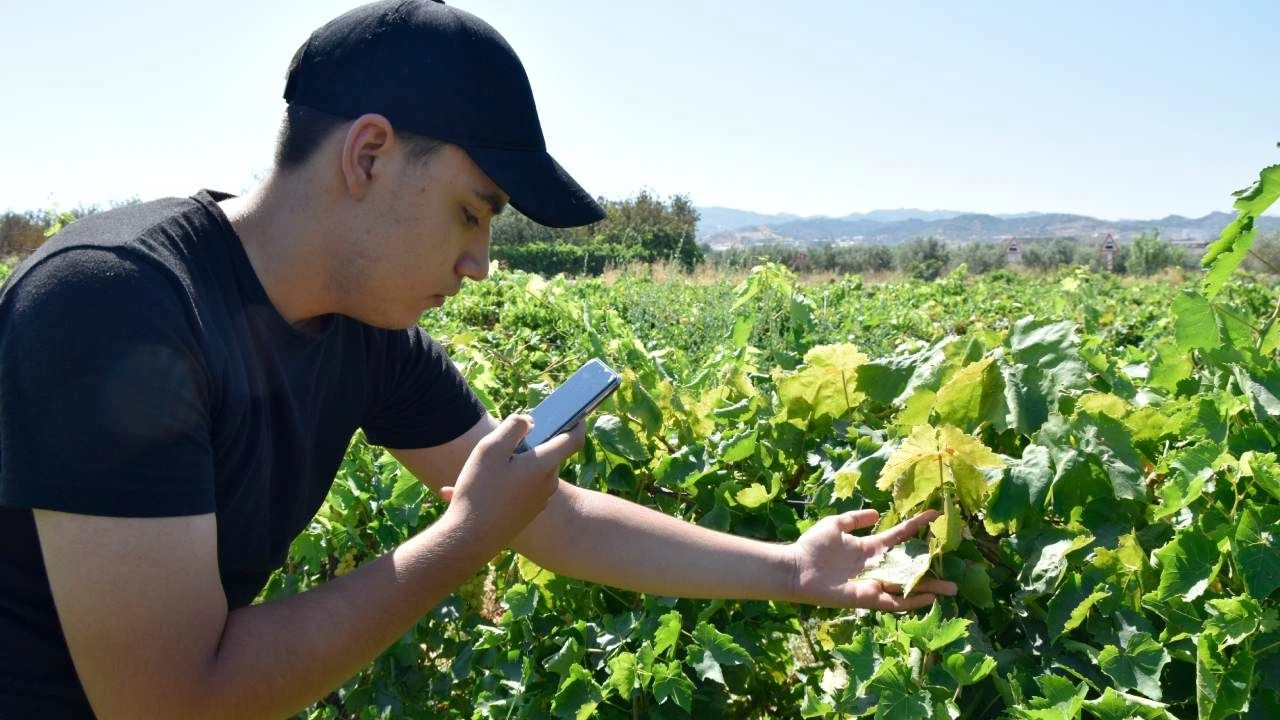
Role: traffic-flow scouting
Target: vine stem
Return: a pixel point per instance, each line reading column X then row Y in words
column 1264, row 261
column 813, row 650
column 1266, row 326
column 1273, row 646
column 994, row 700
column 1238, row 319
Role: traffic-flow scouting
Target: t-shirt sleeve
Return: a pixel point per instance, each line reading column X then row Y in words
column 103, row 395
column 419, row 399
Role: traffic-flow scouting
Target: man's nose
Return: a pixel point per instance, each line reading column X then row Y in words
column 474, row 262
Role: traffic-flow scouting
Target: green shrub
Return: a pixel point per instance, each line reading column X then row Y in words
column 923, row 258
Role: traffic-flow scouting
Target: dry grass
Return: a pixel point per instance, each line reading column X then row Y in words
column 664, row 272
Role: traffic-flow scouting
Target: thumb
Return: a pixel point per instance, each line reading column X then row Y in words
column 446, row 493
column 504, row 438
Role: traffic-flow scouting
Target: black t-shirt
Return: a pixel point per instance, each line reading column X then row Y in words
column 145, row 373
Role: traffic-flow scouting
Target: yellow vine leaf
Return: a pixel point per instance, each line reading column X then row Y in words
column 931, row 457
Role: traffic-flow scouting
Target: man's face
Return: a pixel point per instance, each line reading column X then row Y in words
column 423, row 229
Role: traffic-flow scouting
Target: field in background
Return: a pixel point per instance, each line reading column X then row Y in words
column 1104, row 449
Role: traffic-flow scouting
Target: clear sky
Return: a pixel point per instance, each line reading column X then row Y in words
column 1112, row 109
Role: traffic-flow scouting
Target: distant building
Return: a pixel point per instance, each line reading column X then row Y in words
column 1108, row 249
column 1013, row 251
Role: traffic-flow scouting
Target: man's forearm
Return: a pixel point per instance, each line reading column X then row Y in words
column 278, row 657
column 601, row 538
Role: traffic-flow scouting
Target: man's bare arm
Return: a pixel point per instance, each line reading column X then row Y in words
column 601, row 538
column 146, row 620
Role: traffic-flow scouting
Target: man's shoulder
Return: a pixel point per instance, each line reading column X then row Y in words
column 85, row 279
column 120, row 227
column 137, row 253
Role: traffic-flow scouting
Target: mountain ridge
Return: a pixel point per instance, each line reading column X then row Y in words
column 898, row 225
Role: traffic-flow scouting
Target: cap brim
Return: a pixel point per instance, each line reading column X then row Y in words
column 539, row 188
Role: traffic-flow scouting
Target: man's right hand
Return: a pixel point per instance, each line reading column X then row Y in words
column 499, row 491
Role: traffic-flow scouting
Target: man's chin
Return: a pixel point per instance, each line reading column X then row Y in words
column 385, row 322
column 437, row 301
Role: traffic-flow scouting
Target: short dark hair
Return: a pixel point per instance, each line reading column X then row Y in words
column 304, row 129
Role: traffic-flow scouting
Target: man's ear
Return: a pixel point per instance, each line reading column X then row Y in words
column 365, row 151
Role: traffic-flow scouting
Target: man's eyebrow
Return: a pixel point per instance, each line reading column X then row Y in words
column 496, row 204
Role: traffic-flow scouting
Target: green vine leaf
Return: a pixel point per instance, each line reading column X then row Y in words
column 668, row 632
column 670, row 683
column 900, row 696
column 1226, row 253
column 616, row 437
column 1186, row 566
column 1135, row 664
column 1224, row 679
column 1257, row 549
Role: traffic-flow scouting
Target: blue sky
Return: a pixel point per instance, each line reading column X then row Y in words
column 1118, row 110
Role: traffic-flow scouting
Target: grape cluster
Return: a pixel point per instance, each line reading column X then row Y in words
column 471, row 592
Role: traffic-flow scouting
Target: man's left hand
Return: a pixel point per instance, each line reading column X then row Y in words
column 828, row 560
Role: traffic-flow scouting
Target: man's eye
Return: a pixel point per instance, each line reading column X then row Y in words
column 471, row 219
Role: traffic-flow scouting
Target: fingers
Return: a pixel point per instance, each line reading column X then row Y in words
column 906, row 529
column 936, row 586
column 559, row 448
column 446, row 493
column 889, row 602
column 926, row 585
column 875, row 595
column 853, row 520
column 502, row 441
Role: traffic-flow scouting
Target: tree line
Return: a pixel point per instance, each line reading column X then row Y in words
column 22, row 232
column 929, row 258
column 641, row 229
column 648, row 229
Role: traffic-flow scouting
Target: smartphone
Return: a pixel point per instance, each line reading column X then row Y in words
column 572, row 401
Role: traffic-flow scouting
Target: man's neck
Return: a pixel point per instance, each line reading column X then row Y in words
column 283, row 230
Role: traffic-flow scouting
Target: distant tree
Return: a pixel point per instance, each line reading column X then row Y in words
column 1148, row 254
column 838, row 259
column 923, row 258
column 860, row 258
column 1053, row 254
column 981, row 257
column 513, row 228
column 21, row 233
column 661, row 231
column 747, row 256
column 870, row 258
column 642, row 228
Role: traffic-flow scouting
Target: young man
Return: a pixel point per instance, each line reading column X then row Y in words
column 179, row 381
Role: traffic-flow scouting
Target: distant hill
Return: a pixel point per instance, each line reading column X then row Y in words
column 895, row 226
column 903, row 214
column 718, row 219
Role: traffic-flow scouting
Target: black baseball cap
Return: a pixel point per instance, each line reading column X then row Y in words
column 434, row 70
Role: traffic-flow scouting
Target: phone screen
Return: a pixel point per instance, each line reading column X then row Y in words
column 571, row 402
